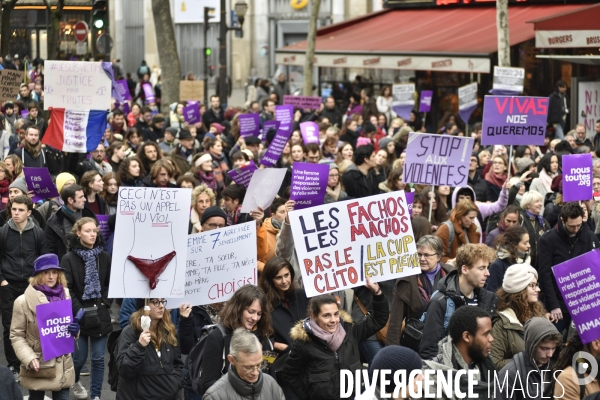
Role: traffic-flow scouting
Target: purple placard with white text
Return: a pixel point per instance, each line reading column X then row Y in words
column 191, row 114
column 40, row 181
column 149, row 93
column 304, row 102
column 578, row 283
column 126, row 108
column 514, row 120
column 103, row 226
column 275, row 149
column 249, row 125
column 267, row 125
column 243, row 174
column 410, row 198
column 310, row 132
column 123, row 89
column 309, row 184
column 425, row 102
column 577, row 177
column 53, row 320
column 285, row 115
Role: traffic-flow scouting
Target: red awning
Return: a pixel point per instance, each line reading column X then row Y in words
column 570, row 29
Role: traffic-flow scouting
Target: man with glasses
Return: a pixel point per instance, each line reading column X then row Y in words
column 213, row 218
column 313, row 153
column 79, row 165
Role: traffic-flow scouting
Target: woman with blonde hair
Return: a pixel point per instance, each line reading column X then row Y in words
column 460, row 229
column 15, row 165
column 202, row 198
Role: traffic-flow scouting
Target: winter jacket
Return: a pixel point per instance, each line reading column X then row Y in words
column 56, row 237
column 285, row 316
column 286, row 249
column 210, row 117
column 101, row 205
column 37, row 218
column 436, row 309
column 552, row 213
column 334, row 116
column 182, row 163
column 272, row 233
column 25, row 339
column 142, row 374
column 358, row 185
column 190, row 328
column 498, row 269
column 19, row 251
column 74, row 267
column 472, row 235
column 30, row 161
column 10, row 387
column 567, row 388
column 556, row 246
column 535, row 231
column 479, row 186
column 508, row 337
column 232, row 387
column 312, row 370
column 556, row 108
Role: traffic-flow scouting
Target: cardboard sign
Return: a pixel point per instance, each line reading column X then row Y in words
column 191, row 114
column 285, row 115
column 467, row 101
column 149, row 256
column 340, row 244
column 310, row 132
column 123, row 89
column 243, row 174
column 76, row 85
column 403, row 99
column 511, row 120
column 53, row 320
column 437, row 159
column 577, row 177
column 249, row 125
column 10, row 82
column 303, row 102
column 191, row 90
column 309, row 184
column 40, row 181
column 262, row 189
column 275, row 149
column 425, row 103
column 508, row 80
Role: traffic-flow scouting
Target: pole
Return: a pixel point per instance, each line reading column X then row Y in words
column 431, row 196
column 205, row 56
column 424, row 118
column 222, row 88
column 509, row 162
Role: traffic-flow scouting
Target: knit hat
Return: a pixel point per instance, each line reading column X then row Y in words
column 368, row 127
column 172, row 130
column 252, row 141
column 556, row 185
column 517, row 277
column 384, row 141
column 204, row 158
column 63, row 178
column 395, row 358
column 47, row 261
column 220, row 128
column 213, row 211
column 523, row 163
column 20, row 184
column 209, row 135
column 185, row 134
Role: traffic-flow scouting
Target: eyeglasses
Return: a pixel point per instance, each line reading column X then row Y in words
column 534, row 285
column 251, row 369
column 334, row 176
column 215, row 226
column 426, row 255
column 157, row 303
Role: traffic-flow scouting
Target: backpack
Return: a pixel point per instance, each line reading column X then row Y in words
column 451, row 234
column 38, row 236
column 193, row 362
column 413, row 330
column 113, row 372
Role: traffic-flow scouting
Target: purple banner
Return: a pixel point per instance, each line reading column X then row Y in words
column 126, row 109
column 103, row 225
column 577, row 177
column 40, row 181
column 285, row 115
column 437, row 159
column 304, row 102
column 577, row 281
column 249, row 125
column 149, row 93
column 123, row 89
column 425, row 103
column 309, row 184
column 269, row 125
column 513, row 120
column 410, row 198
column 243, row 174
column 275, row 148
column 53, row 320
column 191, row 114
column 310, row 132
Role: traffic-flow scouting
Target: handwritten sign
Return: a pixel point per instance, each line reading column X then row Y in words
column 309, row 184
column 310, row 132
column 577, row 177
column 76, row 85
column 40, row 181
column 263, row 188
column 123, row 89
column 588, row 104
column 304, row 102
column 508, row 80
column 191, row 90
column 403, row 99
column 437, row 159
column 249, row 125
column 514, row 120
column 149, row 256
column 243, row 174
column 275, row 149
column 340, row 244
column 285, row 115
column 10, row 82
column 191, row 114
column 53, row 320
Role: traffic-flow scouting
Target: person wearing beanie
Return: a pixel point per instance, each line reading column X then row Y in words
column 19, row 188
column 202, row 171
column 213, row 218
column 169, row 141
column 524, row 164
column 523, row 374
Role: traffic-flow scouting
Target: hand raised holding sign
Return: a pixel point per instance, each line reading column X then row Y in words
column 373, row 287
column 289, row 206
column 258, row 216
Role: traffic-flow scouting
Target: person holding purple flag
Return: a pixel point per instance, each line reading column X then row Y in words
column 47, row 285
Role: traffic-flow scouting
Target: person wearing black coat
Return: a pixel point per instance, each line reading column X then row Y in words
column 87, row 269
column 359, row 179
column 536, row 225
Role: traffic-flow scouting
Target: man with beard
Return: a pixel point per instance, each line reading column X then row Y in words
column 32, row 154
column 467, row 347
column 79, row 164
column 9, row 117
column 118, row 123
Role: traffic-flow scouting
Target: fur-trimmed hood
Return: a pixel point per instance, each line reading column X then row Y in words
column 299, row 331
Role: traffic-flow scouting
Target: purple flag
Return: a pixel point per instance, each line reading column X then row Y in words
column 514, row 120
column 310, row 132
column 149, row 93
column 126, row 109
column 40, row 181
column 249, row 125
column 577, row 177
column 191, row 114
column 103, row 225
column 123, row 89
column 309, row 184
column 425, row 103
column 577, row 281
column 410, row 198
column 53, row 320
column 275, row 148
column 285, row 115
column 437, row 159
column 243, row 174
column 308, row 102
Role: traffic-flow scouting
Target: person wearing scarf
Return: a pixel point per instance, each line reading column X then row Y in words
column 87, row 269
column 496, row 177
column 326, row 343
column 549, row 168
column 32, row 153
column 47, row 285
column 532, row 220
column 203, row 171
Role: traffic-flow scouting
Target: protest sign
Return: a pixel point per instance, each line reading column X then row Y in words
column 310, row 132
column 191, row 90
column 268, row 125
column 243, row 174
column 579, row 284
column 214, row 268
column 191, row 114
column 24, row 114
column 425, row 103
column 53, row 320
column 126, row 108
column 123, row 89
column 309, row 184
column 403, row 99
column 467, row 101
column 10, row 82
column 40, row 181
column 285, row 115
column 437, row 159
column 410, row 198
column 249, row 125
column 508, row 80
column 149, row 256
column 103, row 226
column 339, row 244
column 149, row 93
column 275, row 149
column 76, row 85
column 514, row 120
column 577, row 177
column 588, row 104
column 304, row 102
column 263, row 188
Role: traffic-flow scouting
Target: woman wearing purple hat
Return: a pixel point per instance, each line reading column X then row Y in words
column 47, row 284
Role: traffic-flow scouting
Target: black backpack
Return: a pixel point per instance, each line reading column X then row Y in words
column 193, row 362
column 113, row 372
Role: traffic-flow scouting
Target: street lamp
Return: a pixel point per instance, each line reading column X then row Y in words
column 240, row 8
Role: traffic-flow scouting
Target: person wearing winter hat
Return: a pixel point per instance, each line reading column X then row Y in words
column 524, row 164
column 213, row 218
column 387, row 144
column 216, row 128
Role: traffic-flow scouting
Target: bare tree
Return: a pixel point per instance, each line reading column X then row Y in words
column 6, row 10
column 167, row 52
column 503, row 38
column 53, row 36
column 310, row 47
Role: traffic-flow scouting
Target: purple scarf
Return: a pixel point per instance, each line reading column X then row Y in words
column 57, row 293
column 334, row 340
column 431, row 274
column 209, row 179
column 539, row 218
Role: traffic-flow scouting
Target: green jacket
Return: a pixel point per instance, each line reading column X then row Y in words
column 508, row 333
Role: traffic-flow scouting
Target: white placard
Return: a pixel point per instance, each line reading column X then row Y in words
column 403, row 95
column 152, row 226
column 467, row 96
column 262, row 189
column 508, row 78
column 588, row 103
column 76, row 85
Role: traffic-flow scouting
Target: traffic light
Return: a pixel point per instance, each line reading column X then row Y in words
column 99, row 15
column 207, row 51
